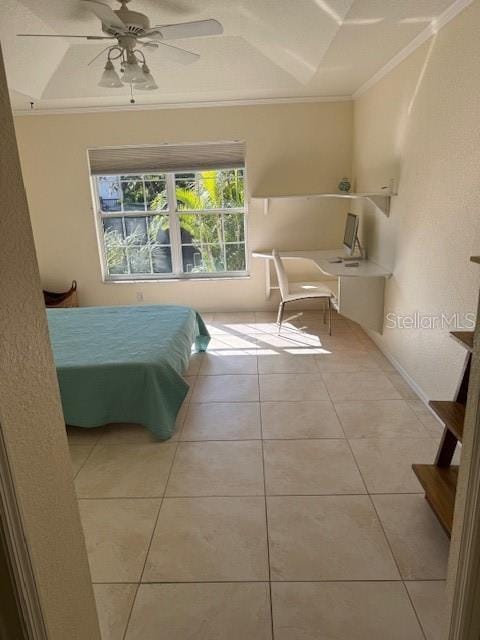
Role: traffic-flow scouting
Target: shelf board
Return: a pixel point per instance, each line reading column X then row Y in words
column 464, row 337
column 369, row 194
column 381, row 199
column 440, row 484
column 452, row 414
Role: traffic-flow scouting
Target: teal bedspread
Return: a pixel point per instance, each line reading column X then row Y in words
column 124, row 364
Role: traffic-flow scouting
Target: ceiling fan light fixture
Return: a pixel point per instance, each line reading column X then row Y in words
column 132, row 73
column 149, row 83
column 110, row 77
column 130, row 29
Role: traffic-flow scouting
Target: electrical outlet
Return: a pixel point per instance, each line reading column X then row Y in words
column 139, row 296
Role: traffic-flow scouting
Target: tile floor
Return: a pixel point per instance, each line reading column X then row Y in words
column 284, row 507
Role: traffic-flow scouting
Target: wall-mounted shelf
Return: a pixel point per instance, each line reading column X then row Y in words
column 380, row 199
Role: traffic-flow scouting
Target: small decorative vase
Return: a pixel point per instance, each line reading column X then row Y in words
column 344, row 185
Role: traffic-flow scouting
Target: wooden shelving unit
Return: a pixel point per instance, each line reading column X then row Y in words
column 439, row 479
column 464, row 337
column 452, row 414
column 440, row 484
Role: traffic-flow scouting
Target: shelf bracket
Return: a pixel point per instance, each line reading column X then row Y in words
column 380, row 202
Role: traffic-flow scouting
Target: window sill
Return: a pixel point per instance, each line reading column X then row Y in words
column 177, row 280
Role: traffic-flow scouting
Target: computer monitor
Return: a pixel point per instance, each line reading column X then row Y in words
column 350, row 235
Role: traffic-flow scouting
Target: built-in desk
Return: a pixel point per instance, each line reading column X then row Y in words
column 358, row 291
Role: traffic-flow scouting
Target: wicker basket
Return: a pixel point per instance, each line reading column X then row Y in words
column 62, row 299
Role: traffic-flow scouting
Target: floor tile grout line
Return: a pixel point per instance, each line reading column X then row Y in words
column 266, row 524
column 348, row 443
column 385, row 438
column 370, row 498
column 75, row 473
column 260, row 439
column 144, row 563
column 256, row 495
column 385, row 536
column 151, row 539
column 275, row 581
column 370, row 494
column 383, row 530
column 398, row 566
column 414, row 610
column 364, row 400
column 130, row 582
column 124, row 634
column 154, row 528
column 159, row 497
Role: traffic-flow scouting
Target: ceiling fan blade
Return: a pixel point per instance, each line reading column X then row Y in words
column 104, row 13
column 195, row 29
column 177, row 55
column 148, row 45
column 60, row 35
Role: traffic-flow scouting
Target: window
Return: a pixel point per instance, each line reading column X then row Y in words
column 172, row 224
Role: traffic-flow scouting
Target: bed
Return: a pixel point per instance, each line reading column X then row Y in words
column 124, row 364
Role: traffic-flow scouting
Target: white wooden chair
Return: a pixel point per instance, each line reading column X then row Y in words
column 292, row 292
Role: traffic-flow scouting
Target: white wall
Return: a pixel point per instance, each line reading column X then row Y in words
column 420, row 124
column 294, row 147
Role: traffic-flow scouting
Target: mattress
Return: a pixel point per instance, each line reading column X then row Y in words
column 124, row 364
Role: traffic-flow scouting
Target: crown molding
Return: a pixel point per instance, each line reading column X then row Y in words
column 181, row 105
column 444, row 18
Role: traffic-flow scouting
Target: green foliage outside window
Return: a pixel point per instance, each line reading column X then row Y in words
column 211, row 241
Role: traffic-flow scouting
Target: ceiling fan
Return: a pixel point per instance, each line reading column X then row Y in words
column 132, row 30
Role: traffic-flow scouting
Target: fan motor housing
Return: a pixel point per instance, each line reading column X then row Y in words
column 128, row 42
column 136, row 23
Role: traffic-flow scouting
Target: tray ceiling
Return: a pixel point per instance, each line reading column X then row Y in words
column 271, row 49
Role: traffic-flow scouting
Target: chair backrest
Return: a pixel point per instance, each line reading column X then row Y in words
column 281, row 274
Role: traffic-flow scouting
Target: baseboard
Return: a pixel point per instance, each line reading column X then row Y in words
column 405, row 375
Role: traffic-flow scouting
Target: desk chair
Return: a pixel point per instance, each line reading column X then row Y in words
column 291, row 292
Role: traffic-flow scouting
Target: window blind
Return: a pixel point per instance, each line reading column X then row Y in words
column 166, row 158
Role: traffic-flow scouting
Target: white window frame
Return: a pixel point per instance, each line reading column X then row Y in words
column 174, row 230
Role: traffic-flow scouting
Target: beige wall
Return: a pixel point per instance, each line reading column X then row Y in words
column 290, row 148
column 420, row 124
column 31, row 420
